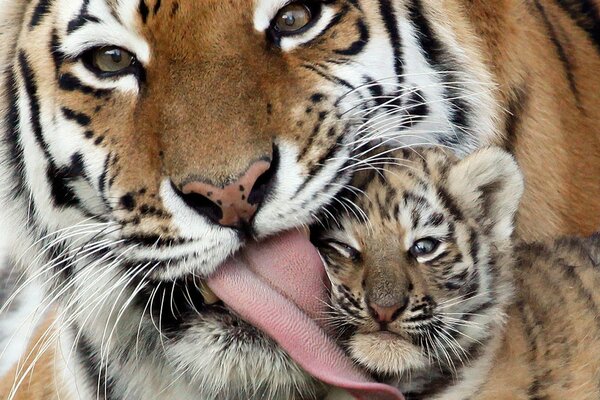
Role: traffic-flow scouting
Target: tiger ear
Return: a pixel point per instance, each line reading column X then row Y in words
column 488, row 185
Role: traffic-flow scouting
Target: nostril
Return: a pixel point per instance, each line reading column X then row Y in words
column 261, row 187
column 201, row 204
column 263, row 184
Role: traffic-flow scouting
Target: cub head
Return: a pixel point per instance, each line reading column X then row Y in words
column 420, row 262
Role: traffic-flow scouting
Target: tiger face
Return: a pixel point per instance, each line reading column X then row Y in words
column 147, row 141
column 421, row 276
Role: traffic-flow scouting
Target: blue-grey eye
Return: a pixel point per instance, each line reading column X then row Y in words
column 424, row 247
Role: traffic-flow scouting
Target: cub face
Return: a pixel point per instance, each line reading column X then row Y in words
column 420, row 266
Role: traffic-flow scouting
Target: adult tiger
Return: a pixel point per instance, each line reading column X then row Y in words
column 145, row 141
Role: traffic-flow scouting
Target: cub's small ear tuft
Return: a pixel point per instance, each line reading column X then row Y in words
column 488, row 185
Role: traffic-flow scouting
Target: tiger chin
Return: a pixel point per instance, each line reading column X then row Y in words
column 432, row 293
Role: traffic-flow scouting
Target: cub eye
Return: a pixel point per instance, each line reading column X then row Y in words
column 293, row 17
column 109, row 60
column 424, row 247
column 345, row 250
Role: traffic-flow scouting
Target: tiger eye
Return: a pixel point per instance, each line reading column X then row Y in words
column 292, row 18
column 424, row 247
column 112, row 59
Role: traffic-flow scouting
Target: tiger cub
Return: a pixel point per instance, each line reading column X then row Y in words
column 430, row 294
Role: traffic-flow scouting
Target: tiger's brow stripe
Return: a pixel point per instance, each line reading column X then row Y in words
column 82, row 18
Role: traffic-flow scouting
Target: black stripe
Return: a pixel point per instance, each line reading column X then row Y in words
column 58, row 178
column 95, row 370
column 416, row 108
column 359, row 44
column 388, row 14
column 449, row 203
column 586, row 15
column 12, row 139
column 62, row 194
column 439, row 59
column 70, row 83
column 313, row 135
column 560, row 50
column 81, row 118
column 34, row 105
column 530, row 321
column 328, row 154
column 39, row 12
column 57, row 55
column 144, row 11
column 428, row 41
column 157, row 7
column 173, row 304
column 517, row 105
column 329, row 77
column 82, row 18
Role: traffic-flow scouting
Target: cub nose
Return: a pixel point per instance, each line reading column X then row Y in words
column 387, row 314
column 235, row 203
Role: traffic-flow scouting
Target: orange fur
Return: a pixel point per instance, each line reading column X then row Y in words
column 41, row 382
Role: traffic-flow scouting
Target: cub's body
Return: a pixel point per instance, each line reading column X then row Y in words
column 431, row 294
column 550, row 348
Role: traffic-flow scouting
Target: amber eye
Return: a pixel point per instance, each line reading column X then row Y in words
column 110, row 60
column 293, row 17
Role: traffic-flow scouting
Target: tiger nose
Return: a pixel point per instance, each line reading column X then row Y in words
column 387, row 314
column 235, row 203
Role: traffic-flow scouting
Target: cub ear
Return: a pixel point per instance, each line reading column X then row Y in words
column 488, row 186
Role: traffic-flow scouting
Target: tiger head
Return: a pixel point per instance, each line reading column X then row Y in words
column 146, row 141
column 421, row 266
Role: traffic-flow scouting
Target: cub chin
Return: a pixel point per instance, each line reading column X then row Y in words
column 429, row 292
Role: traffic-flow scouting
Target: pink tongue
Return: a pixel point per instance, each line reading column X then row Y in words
column 278, row 287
